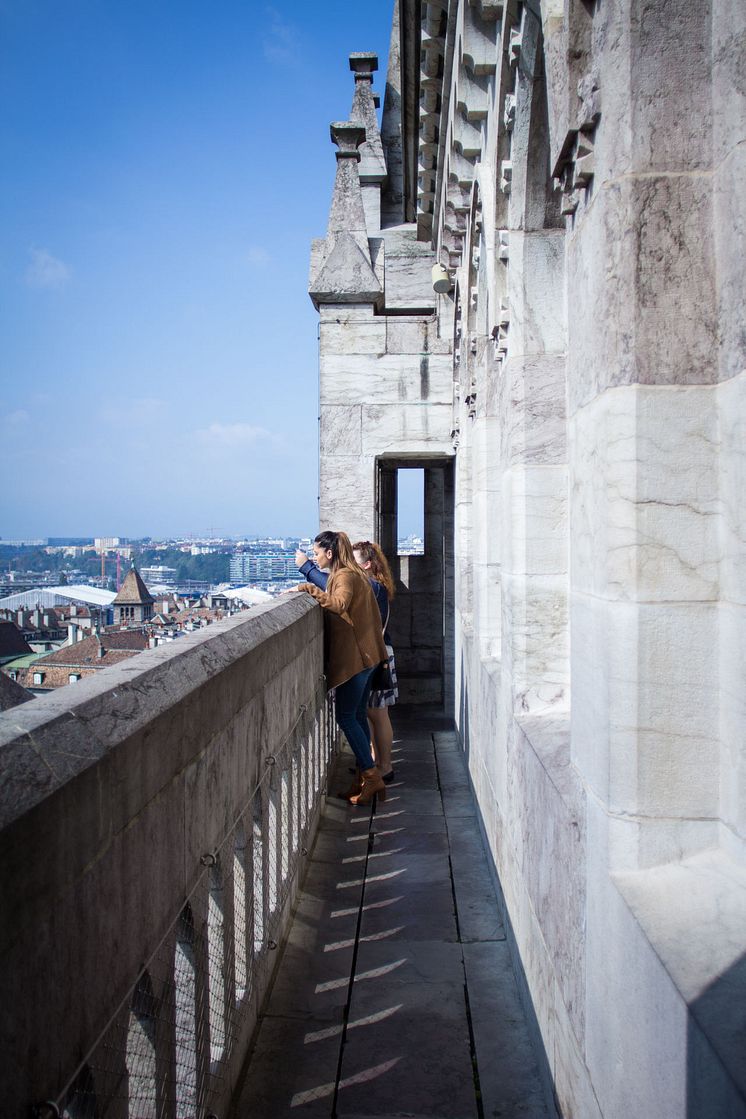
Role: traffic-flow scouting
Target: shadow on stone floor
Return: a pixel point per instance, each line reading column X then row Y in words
column 395, row 994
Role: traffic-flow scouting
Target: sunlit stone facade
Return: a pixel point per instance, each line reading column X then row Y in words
column 577, row 400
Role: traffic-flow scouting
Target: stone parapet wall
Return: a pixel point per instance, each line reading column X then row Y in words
column 153, row 824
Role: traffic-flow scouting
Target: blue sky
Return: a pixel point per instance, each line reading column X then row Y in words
column 165, row 166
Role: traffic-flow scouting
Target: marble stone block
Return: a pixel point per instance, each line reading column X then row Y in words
column 532, row 410
column 346, row 313
column 385, row 379
column 340, row 430
column 346, row 496
column 487, row 438
column 352, row 337
column 407, row 427
column 728, row 77
column 645, row 265
column 536, row 293
column 534, row 621
column 625, row 973
column 408, row 283
column 732, row 481
column 535, row 501
column 645, row 701
column 554, row 854
column 415, row 336
column 730, row 248
column 670, row 65
column 643, row 476
column 732, row 632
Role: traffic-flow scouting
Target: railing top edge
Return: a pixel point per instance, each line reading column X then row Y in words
column 44, row 743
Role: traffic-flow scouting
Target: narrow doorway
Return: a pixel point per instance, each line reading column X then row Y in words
column 411, row 493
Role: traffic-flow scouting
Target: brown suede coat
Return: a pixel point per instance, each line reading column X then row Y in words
column 353, row 637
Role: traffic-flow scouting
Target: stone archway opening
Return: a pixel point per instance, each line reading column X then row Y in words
column 421, row 619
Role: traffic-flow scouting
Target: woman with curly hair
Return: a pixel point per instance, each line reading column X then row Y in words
column 353, row 647
column 375, row 565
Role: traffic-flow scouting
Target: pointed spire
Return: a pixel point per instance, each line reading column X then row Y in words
column 341, row 268
column 372, row 162
column 133, row 591
column 347, row 212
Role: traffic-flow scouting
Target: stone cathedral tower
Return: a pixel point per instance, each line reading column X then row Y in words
column 532, row 287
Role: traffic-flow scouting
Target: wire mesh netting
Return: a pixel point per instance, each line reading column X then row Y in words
column 174, row 1046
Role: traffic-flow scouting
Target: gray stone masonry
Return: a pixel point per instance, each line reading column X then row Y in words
column 120, row 800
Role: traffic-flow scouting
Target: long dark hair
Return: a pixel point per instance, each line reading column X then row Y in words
column 338, row 543
column 379, row 566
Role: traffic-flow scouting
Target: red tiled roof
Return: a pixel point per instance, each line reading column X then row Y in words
column 131, row 639
column 86, row 652
column 12, row 641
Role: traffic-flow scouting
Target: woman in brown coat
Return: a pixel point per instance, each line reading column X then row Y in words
column 354, row 647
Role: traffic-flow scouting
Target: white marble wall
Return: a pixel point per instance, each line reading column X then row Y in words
column 599, row 380
column 602, row 507
column 384, row 390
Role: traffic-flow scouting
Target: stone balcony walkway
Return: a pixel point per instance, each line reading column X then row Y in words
column 396, row 995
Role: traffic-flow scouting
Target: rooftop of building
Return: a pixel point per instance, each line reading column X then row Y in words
column 133, row 591
column 12, row 641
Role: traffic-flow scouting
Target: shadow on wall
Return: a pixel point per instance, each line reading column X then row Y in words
column 463, row 715
column 716, row 1048
column 553, row 1110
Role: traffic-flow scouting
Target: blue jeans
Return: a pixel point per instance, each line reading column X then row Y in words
column 351, row 710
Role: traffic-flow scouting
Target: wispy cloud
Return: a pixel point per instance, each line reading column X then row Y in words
column 45, row 270
column 138, row 411
column 281, row 40
column 221, row 435
column 16, row 419
column 258, row 257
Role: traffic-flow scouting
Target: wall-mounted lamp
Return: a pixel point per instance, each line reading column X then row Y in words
column 441, row 280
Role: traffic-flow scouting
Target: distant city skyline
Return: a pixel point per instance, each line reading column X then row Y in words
column 165, row 169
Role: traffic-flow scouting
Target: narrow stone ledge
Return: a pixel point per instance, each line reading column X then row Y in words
column 548, row 735
column 693, row 914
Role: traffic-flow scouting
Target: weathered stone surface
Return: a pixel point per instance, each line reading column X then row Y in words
column 580, row 176
column 645, row 519
column 531, row 406
column 147, row 769
column 415, row 336
column 341, row 432
column 418, row 427
column 647, row 264
column 348, row 338
column 385, row 379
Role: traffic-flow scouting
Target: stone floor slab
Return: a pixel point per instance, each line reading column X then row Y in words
column 382, row 891
column 293, row 1071
column 510, row 1083
column 476, row 905
column 458, row 802
column 423, row 802
column 418, row 913
column 405, row 991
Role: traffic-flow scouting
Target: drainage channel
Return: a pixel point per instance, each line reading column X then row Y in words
column 472, row 1042
column 353, row 967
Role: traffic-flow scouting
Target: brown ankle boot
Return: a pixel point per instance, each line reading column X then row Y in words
column 355, row 788
column 372, row 786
